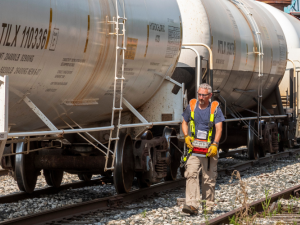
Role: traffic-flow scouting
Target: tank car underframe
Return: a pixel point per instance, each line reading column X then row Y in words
column 53, row 153
column 149, row 159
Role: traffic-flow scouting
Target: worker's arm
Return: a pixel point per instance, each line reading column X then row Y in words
column 187, row 138
column 185, row 127
column 213, row 149
column 218, row 131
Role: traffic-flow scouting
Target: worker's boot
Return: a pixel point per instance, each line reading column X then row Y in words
column 190, row 209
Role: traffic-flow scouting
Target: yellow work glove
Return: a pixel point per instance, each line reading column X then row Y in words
column 212, row 151
column 188, row 140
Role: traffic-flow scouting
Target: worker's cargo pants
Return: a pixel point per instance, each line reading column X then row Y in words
column 192, row 170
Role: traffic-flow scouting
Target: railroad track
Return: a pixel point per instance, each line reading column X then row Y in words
column 51, row 190
column 225, row 171
column 72, row 212
column 91, row 208
column 257, row 206
column 247, row 165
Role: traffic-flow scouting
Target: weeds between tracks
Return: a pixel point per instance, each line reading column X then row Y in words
column 246, row 215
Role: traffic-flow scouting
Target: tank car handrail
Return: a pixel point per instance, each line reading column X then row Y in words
column 150, row 124
column 69, row 131
column 199, row 77
column 208, row 48
column 254, row 118
column 211, row 68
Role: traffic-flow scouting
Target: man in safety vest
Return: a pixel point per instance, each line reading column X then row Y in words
column 202, row 145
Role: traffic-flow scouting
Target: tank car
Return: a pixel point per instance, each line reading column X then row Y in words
column 251, row 42
column 69, row 63
column 98, row 87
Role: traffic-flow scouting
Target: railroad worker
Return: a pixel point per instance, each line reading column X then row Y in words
column 206, row 121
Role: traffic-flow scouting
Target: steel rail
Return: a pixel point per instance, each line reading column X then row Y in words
column 94, row 205
column 256, row 205
column 51, row 190
column 251, row 163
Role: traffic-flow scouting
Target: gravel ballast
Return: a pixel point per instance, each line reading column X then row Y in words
column 163, row 208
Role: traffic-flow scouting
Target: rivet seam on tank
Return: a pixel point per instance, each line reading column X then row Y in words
column 88, row 34
column 147, row 41
column 50, row 24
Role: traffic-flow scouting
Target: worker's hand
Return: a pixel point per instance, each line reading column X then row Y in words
column 188, row 140
column 212, row 151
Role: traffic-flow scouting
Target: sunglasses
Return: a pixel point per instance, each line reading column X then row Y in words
column 203, row 95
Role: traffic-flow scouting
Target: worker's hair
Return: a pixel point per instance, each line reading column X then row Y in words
column 205, row 86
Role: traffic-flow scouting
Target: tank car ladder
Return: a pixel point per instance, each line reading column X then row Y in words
column 116, row 79
column 260, row 52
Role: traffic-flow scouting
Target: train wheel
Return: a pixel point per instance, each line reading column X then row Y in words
column 26, row 174
column 124, row 164
column 53, row 177
column 173, row 151
column 253, row 150
column 85, row 176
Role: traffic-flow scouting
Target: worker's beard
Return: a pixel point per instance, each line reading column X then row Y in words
column 201, row 102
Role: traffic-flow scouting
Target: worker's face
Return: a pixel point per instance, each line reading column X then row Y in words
column 203, row 96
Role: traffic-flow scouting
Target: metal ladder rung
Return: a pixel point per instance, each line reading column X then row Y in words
column 122, row 48
column 111, row 168
column 114, row 139
column 118, row 109
column 122, row 18
column 120, row 78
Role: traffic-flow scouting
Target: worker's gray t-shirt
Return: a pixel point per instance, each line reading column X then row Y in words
column 202, row 118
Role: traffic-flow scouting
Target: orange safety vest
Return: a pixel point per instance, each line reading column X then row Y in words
column 213, row 108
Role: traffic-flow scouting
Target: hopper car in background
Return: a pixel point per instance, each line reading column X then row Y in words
column 98, row 87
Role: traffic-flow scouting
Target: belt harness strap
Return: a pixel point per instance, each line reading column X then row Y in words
column 213, row 111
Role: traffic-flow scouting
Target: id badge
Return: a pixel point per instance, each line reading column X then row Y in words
column 201, row 134
column 200, row 144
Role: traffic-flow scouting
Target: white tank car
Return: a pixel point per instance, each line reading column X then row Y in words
column 291, row 28
column 61, row 55
column 226, row 27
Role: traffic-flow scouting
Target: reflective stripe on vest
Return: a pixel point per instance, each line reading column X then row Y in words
column 213, row 108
